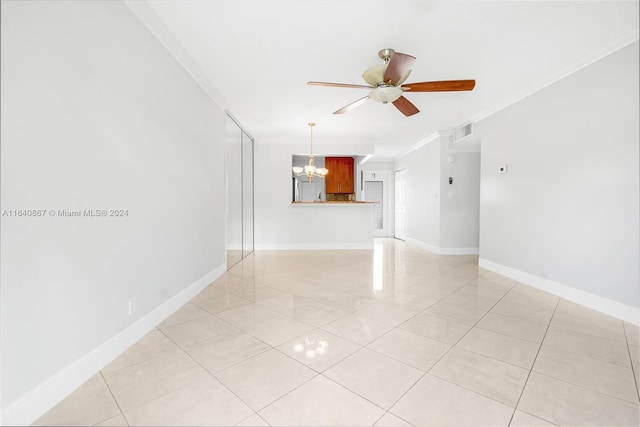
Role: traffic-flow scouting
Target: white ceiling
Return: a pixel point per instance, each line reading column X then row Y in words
column 256, row 57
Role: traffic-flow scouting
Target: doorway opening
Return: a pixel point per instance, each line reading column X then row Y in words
column 375, row 188
column 400, row 204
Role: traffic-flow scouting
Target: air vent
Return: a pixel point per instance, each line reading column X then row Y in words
column 462, row 132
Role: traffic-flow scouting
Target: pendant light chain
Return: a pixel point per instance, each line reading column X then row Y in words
column 311, row 125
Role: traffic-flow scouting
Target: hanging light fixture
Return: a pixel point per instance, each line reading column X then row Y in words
column 310, row 170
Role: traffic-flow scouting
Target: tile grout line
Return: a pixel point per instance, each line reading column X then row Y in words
column 255, row 412
column 212, row 374
column 633, row 369
column 165, row 394
column 234, row 364
column 473, row 326
column 352, row 391
column 394, row 415
column 524, row 386
column 587, row 356
column 423, row 311
column 318, row 373
column 114, row 399
column 590, row 388
column 180, row 348
column 427, row 372
column 244, row 360
column 271, row 348
column 393, row 327
column 356, row 393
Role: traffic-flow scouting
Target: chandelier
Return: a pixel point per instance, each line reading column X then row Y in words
column 310, row 170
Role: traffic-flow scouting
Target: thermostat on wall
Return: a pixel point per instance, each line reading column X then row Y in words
column 502, row 169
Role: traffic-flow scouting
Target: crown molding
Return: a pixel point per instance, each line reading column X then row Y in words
column 158, row 28
column 617, row 44
column 150, row 19
column 233, row 118
column 612, row 47
column 419, row 144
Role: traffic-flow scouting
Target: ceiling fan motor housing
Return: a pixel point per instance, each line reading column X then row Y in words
column 385, row 54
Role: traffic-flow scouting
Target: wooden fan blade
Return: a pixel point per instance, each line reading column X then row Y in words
column 441, row 86
column 339, row 85
column 351, row 106
column 398, row 66
column 405, row 106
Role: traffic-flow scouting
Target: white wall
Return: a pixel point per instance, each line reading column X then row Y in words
column 423, row 194
column 440, row 217
column 280, row 225
column 96, row 114
column 566, row 212
column 460, row 201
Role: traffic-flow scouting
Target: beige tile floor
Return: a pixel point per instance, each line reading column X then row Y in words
column 346, row 338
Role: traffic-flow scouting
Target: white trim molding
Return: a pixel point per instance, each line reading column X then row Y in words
column 159, row 29
column 433, row 137
column 442, row 251
column 617, row 44
column 313, row 246
column 43, row 397
column 459, row 251
column 422, row 245
column 609, row 307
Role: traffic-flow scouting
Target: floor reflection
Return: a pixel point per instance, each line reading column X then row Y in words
column 378, row 265
column 283, row 336
column 311, row 347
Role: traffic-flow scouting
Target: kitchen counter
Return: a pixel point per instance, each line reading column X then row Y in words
column 334, row 203
column 333, row 225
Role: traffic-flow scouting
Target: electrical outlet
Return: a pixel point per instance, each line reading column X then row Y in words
column 132, row 305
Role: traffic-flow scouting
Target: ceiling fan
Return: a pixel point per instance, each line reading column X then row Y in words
column 387, row 83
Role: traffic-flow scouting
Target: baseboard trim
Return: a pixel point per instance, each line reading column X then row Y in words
column 422, row 245
column 604, row 305
column 442, row 251
column 459, row 251
column 43, row 397
column 313, row 246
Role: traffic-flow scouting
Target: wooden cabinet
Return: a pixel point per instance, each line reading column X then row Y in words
column 340, row 177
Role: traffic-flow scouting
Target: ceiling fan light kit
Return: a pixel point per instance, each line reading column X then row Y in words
column 386, row 82
column 385, row 94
